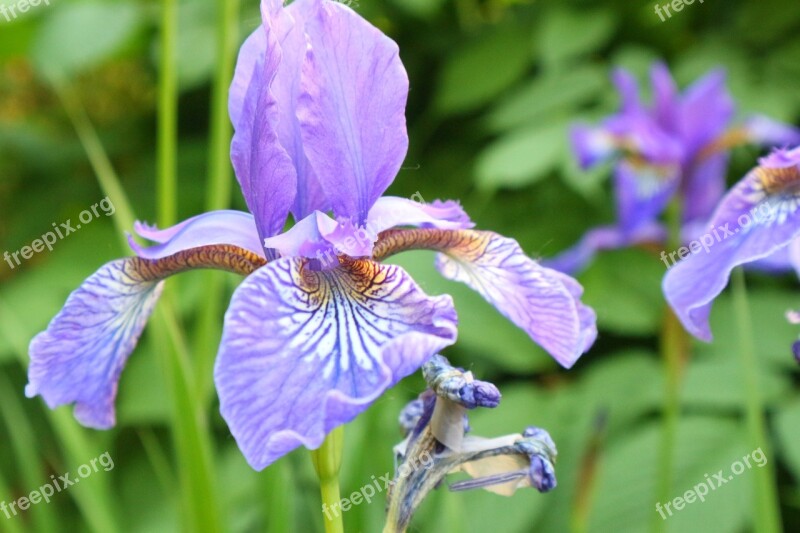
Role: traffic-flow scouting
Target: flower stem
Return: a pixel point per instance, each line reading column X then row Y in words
column 674, row 347
column 209, row 330
column 168, row 116
column 327, row 462
column 767, row 509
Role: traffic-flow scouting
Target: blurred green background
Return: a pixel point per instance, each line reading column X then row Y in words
column 494, row 86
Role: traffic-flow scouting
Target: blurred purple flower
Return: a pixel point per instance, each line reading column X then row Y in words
column 678, row 145
column 762, row 214
column 320, row 328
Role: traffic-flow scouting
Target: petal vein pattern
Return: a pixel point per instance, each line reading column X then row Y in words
column 305, row 351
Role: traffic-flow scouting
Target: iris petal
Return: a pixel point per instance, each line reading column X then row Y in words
column 392, row 211
column 263, row 166
column 544, row 303
column 79, row 357
column 304, row 352
column 642, row 192
column 352, row 109
column 758, row 225
column 217, row 227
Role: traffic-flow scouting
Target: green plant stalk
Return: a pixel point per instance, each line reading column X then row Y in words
column 277, row 486
column 767, row 508
column 32, row 465
column 193, row 443
column 674, row 346
column 209, row 328
column 11, row 525
column 167, row 149
column 327, row 461
column 193, row 446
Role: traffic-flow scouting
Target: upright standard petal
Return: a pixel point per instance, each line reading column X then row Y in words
column 544, row 303
column 758, row 217
column 305, row 351
column 217, row 227
column 263, row 167
column 352, row 109
column 79, row 357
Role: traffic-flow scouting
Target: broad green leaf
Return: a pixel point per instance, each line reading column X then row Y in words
column 548, row 94
column 482, row 69
column 521, row 157
column 625, row 489
column 624, row 288
column 566, row 34
column 80, row 35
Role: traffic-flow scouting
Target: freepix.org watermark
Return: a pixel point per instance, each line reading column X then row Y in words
column 675, row 5
column 60, row 231
column 13, row 10
column 56, row 485
column 711, row 483
column 760, row 214
column 378, row 485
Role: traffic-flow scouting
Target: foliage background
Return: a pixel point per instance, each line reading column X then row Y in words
column 494, row 84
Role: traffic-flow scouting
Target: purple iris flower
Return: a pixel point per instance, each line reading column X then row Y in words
column 757, row 219
column 678, row 145
column 320, row 327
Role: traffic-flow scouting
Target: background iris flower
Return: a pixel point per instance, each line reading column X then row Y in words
column 320, row 327
column 679, row 145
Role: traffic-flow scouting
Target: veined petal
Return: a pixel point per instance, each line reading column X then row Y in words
column 352, row 109
column 79, row 357
column 263, row 166
column 761, row 217
column 543, row 302
column 392, row 211
column 305, row 351
column 235, row 228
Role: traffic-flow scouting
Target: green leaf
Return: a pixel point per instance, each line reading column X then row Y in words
column 787, row 430
column 624, row 288
column 522, row 157
column 565, row 34
column 625, row 487
column 81, row 35
column 481, row 70
column 548, row 94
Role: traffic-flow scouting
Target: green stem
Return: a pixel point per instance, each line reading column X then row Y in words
column 327, row 462
column 209, row 328
column 767, row 509
column 674, row 347
column 168, row 116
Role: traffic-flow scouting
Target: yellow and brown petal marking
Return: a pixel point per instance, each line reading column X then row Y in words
column 219, row 256
column 776, row 180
